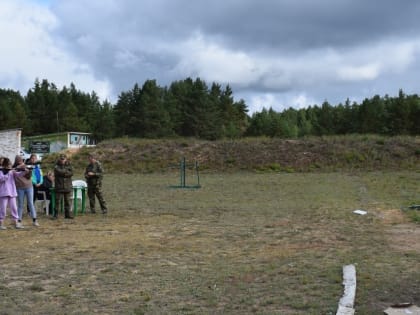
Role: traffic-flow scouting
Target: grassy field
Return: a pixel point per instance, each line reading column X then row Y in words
column 244, row 243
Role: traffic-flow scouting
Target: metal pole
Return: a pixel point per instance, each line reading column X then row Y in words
column 183, row 172
column 198, row 176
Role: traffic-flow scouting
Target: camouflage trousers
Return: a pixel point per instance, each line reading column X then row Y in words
column 96, row 191
column 65, row 196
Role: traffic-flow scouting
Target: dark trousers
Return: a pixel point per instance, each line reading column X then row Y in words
column 96, row 190
column 66, row 197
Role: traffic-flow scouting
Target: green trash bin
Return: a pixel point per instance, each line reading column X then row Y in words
column 79, row 192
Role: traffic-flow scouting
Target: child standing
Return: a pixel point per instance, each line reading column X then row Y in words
column 37, row 177
column 24, row 188
column 8, row 192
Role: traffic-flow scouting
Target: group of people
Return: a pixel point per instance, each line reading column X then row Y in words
column 20, row 180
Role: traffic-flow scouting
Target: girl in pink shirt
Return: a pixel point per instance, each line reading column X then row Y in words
column 8, row 192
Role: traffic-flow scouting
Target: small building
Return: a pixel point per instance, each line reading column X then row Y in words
column 10, row 143
column 79, row 139
column 52, row 143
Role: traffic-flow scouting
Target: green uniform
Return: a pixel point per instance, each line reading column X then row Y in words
column 94, row 183
column 63, row 187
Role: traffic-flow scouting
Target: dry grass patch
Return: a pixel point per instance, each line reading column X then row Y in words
column 244, row 243
column 405, row 238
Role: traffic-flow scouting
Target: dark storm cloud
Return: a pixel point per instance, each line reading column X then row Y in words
column 276, row 53
column 266, row 23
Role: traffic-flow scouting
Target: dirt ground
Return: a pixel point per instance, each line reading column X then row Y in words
column 242, row 244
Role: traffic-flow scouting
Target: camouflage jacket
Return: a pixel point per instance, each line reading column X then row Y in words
column 63, row 177
column 96, row 179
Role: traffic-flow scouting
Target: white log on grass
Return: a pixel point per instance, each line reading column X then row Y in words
column 346, row 304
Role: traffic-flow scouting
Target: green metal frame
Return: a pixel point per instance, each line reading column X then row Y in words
column 182, row 174
column 412, row 207
column 83, row 205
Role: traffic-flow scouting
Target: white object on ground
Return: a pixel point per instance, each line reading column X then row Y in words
column 410, row 310
column 361, row 212
column 345, row 306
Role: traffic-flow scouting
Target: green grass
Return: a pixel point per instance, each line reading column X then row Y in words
column 414, row 215
column 244, row 243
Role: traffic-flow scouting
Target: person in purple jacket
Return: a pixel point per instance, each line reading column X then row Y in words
column 8, row 192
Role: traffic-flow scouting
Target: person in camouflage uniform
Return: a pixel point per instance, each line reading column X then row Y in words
column 94, row 175
column 63, row 172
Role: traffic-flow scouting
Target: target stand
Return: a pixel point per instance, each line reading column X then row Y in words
column 182, row 174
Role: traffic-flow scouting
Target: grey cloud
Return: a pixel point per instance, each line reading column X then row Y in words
column 287, row 45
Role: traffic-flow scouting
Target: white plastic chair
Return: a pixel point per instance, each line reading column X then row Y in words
column 77, row 184
column 44, row 200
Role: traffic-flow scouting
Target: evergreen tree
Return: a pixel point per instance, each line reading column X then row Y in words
column 303, row 124
column 189, row 108
column 348, row 121
column 105, row 122
column 255, row 126
column 240, row 118
column 289, row 123
column 67, row 113
column 6, row 114
column 18, row 116
column 192, row 107
column 135, row 107
column 326, row 120
column 399, row 115
column 155, row 119
column 174, row 101
column 12, row 110
column 413, row 119
column 87, row 108
column 234, row 114
column 372, row 113
column 312, row 114
column 121, row 113
column 43, row 107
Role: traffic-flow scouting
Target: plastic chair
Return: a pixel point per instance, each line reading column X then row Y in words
column 79, row 187
column 44, row 200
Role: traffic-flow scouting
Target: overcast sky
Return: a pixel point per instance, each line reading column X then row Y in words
column 273, row 53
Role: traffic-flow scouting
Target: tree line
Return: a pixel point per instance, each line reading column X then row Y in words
column 191, row 108
column 378, row 115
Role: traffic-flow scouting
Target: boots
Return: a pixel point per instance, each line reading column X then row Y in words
column 67, row 214
column 55, row 214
